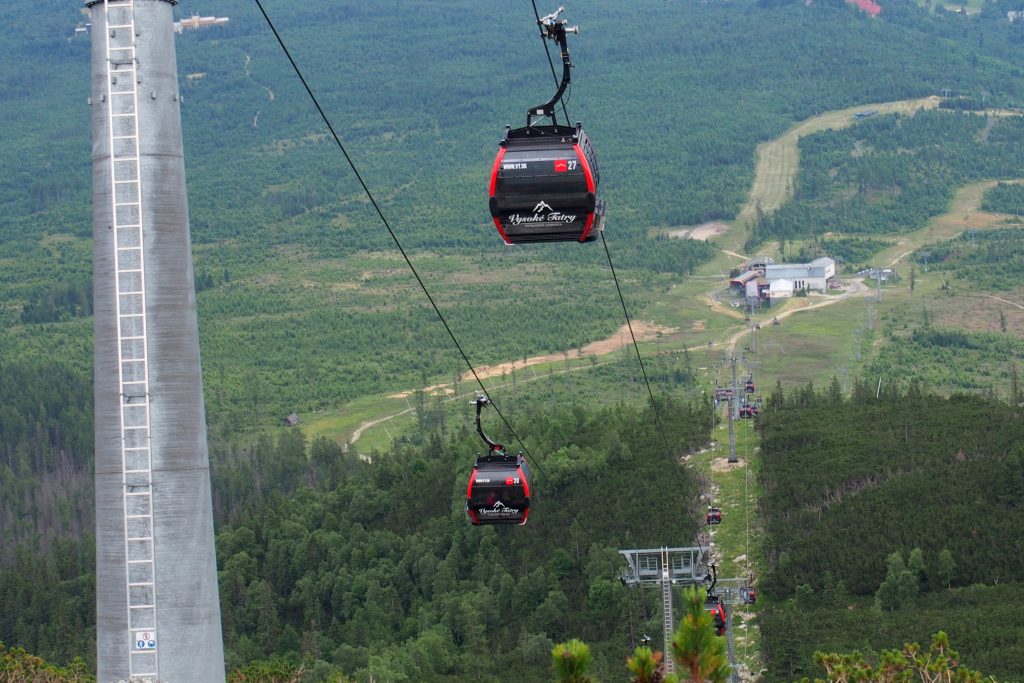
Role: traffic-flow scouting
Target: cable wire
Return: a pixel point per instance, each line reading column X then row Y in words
column 408, row 261
column 551, row 63
column 694, row 515
column 629, row 323
column 394, row 237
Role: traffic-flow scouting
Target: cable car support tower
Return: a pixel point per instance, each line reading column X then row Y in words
column 157, row 606
column 664, row 568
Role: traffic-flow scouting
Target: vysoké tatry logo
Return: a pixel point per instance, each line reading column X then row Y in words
column 542, row 214
column 499, row 509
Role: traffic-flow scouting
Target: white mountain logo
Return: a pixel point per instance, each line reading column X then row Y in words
column 542, row 206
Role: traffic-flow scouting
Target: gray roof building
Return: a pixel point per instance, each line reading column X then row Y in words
column 818, row 269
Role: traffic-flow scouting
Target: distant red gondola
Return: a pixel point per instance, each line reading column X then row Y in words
column 714, row 516
column 499, row 486
column 714, row 607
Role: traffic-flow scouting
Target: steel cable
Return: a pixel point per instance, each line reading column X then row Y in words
column 408, row 261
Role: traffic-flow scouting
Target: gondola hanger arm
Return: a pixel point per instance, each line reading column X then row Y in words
column 480, row 401
column 553, row 28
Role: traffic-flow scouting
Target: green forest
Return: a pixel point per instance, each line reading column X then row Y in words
column 304, row 304
column 988, row 260
column 861, row 492
column 371, row 569
column 850, row 253
column 1005, row 198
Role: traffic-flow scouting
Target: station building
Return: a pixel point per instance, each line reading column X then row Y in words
column 766, row 280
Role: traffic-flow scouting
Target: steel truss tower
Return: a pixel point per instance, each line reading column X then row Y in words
column 663, row 568
column 667, row 567
column 157, row 606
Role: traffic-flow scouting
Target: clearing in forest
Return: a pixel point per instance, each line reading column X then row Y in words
column 964, row 214
column 778, row 160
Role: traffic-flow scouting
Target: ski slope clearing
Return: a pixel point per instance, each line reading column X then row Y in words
column 778, row 160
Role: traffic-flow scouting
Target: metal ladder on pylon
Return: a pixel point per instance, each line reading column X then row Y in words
column 666, row 610
column 132, row 346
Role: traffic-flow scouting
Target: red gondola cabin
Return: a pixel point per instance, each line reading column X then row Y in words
column 714, row 516
column 545, row 178
column 544, row 186
column 498, row 490
column 714, row 607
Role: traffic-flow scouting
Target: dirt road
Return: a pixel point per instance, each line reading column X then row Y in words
column 856, row 286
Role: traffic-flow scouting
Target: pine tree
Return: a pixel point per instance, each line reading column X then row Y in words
column 939, row 664
column 571, row 662
column 697, row 650
column 646, row 666
column 946, row 567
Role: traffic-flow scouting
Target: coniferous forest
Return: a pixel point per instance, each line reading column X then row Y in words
column 892, row 515
column 371, row 569
column 889, row 514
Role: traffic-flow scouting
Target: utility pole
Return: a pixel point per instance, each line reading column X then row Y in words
column 733, row 414
column 878, row 281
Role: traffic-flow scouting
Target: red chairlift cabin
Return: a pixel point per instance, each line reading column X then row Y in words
column 749, row 386
column 544, row 182
column 714, row 516
column 748, row 596
column 714, row 607
column 499, row 486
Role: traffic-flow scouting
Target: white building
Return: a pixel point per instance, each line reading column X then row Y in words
column 780, row 289
column 813, row 275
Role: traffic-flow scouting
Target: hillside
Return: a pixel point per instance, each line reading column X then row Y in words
column 373, row 570
column 305, row 305
column 849, row 482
